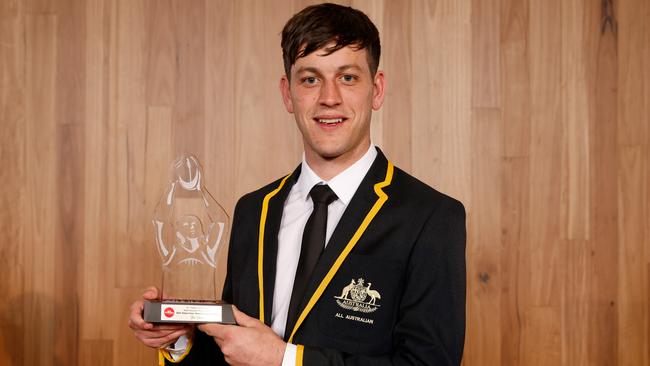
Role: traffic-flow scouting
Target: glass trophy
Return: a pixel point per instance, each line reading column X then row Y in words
column 190, row 229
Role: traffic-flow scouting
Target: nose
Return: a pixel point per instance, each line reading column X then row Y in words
column 329, row 94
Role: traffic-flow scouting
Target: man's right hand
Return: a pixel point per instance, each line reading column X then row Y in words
column 155, row 335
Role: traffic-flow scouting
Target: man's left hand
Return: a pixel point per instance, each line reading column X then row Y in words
column 249, row 343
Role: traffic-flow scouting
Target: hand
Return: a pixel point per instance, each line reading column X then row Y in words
column 155, row 335
column 249, row 343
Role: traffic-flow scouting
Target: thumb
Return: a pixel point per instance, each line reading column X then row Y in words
column 243, row 319
column 151, row 294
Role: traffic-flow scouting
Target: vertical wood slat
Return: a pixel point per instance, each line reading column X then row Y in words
column 12, row 216
column 631, row 20
column 531, row 113
column 69, row 140
column 96, row 272
column 543, row 268
column 581, row 34
column 39, row 207
column 603, row 270
column 515, row 92
column 483, row 257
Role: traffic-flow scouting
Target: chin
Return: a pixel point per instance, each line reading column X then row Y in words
column 329, row 154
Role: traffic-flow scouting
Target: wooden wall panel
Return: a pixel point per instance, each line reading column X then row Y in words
column 12, row 139
column 633, row 163
column 534, row 113
column 39, row 207
column 603, row 266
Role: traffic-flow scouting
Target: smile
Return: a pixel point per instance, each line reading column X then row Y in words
column 329, row 121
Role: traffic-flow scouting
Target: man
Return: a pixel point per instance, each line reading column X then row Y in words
column 389, row 285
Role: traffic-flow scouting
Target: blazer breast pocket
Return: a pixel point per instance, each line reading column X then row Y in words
column 359, row 305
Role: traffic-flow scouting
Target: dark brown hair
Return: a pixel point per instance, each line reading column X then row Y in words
column 317, row 26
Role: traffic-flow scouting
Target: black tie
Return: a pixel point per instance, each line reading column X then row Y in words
column 313, row 242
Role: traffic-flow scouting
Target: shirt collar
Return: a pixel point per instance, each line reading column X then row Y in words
column 344, row 184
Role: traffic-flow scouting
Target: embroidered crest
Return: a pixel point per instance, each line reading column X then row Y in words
column 358, row 296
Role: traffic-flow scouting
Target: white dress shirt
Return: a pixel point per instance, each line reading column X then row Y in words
column 297, row 209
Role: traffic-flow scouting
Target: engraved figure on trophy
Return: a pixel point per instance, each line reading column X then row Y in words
column 190, row 227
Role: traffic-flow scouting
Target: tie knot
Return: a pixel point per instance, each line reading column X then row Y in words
column 322, row 193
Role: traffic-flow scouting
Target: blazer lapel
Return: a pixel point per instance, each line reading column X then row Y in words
column 270, row 249
column 358, row 209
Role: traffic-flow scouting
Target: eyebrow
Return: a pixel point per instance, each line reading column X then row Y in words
column 318, row 72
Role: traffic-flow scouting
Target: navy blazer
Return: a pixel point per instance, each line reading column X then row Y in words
column 389, row 288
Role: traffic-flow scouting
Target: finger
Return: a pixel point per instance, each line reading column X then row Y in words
column 162, row 341
column 156, row 334
column 169, row 327
column 151, row 293
column 157, row 338
column 214, row 330
column 135, row 317
column 244, row 320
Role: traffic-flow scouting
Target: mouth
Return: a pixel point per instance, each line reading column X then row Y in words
column 330, row 121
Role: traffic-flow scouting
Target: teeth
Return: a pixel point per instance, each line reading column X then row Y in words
column 330, row 120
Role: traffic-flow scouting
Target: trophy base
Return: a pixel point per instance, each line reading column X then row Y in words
column 177, row 311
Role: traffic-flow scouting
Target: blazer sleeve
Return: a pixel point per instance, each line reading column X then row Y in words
column 430, row 329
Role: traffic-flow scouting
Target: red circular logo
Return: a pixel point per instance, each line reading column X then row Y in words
column 169, row 312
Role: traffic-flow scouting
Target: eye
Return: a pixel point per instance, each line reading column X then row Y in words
column 349, row 78
column 309, row 80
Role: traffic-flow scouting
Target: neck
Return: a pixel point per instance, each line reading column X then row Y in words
column 328, row 168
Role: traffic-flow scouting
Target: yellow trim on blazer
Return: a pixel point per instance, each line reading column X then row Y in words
column 300, row 353
column 260, row 258
column 164, row 354
column 382, row 198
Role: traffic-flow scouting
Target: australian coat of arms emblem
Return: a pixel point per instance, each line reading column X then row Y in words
column 358, row 296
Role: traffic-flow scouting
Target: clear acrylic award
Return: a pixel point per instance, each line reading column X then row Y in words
column 190, row 228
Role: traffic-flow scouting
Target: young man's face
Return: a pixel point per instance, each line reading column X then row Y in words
column 332, row 98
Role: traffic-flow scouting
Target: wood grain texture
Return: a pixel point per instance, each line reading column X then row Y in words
column 40, row 179
column 12, row 139
column 633, row 163
column 533, row 113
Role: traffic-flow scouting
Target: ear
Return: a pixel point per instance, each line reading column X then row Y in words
column 379, row 86
column 286, row 93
